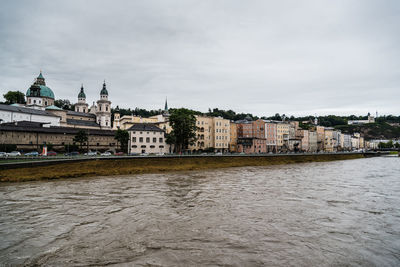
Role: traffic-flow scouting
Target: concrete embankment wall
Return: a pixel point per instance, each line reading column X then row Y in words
column 46, row 170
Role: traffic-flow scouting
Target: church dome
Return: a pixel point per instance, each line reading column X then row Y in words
column 44, row 92
column 39, row 88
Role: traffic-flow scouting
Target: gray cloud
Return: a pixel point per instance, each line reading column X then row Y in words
column 263, row 57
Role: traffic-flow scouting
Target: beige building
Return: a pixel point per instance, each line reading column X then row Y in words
column 146, row 138
column 282, row 135
column 320, row 137
column 312, row 141
column 328, row 140
column 304, row 134
column 212, row 133
column 30, row 136
column 233, row 137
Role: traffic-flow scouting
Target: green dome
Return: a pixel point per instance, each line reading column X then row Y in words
column 82, row 93
column 44, row 92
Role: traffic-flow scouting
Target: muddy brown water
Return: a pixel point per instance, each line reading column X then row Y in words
column 313, row 214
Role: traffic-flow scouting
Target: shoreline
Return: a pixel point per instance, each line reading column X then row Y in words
column 48, row 170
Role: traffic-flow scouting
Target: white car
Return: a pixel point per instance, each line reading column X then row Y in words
column 106, row 153
column 3, row 154
column 91, row 153
column 14, row 154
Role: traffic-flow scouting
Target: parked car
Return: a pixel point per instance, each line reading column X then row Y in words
column 3, row 154
column 107, row 153
column 32, row 154
column 51, row 153
column 91, row 153
column 73, row 153
column 119, row 154
column 14, row 154
column 144, row 154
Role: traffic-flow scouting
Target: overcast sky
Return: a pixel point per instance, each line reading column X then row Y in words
column 261, row 57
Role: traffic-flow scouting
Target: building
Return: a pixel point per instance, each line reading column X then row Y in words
column 41, row 98
column 222, row 132
column 271, row 136
column 28, row 136
column 233, row 137
column 312, row 141
column 305, row 146
column 370, row 119
column 39, row 95
column 252, row 145
column 14, row 113
column 346, row 142
column 320, row 137
column 213, row 133
column 282, row 134
column 328, row 139
column 146, row 138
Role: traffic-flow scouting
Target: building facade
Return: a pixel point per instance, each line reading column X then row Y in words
column 146, row 138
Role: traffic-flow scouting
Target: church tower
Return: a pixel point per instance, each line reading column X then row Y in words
column 103, row 112
column 82, row 106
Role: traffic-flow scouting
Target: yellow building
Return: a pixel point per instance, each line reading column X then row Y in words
column 328, row 140
column 282, row 135
column 233, row 137
column 222, row 131
column 212, row 133
column 320, row 137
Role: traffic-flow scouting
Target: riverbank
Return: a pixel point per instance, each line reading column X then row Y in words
column 137, row 165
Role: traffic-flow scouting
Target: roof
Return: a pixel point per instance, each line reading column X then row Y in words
column 26, row 110
column 44, row 92
column 104, row 90
column 52, row 107
column 74, row 113
column 82, row 123
column 145, row 127
column 82, row 93
column 40, row 75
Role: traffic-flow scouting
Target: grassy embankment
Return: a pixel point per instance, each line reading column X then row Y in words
column 153, row 165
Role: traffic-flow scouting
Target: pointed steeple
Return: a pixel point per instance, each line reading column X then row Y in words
column 104, row 90
column 40, row 75
column 82, row 93
column 166, row 105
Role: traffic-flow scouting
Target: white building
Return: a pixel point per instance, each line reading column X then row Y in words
column 13, row 113
column 146, row 138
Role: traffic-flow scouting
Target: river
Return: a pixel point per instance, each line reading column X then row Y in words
column 311, row 214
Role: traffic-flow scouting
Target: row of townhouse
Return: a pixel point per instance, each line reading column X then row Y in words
column 216, row 134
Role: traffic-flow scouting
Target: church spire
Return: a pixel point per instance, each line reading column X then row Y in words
column 166, row 105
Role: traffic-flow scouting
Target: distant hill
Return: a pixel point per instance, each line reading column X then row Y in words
column 379, row 130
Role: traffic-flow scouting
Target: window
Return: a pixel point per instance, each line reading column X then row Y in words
column 141, row 139
column 161, row 146
column 152, row 146
column 143, row 146
column 154, row 140
column 134, row 146
column 147, row 139
column 106, row 108
column 161, row 140
column 134, row 139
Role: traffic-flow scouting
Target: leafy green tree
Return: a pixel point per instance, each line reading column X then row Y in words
column 81, row 137
column 64, row 104
column 183, row 123
column 122, row 136
column 13, row 97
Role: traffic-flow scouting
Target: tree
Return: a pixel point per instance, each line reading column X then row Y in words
column 64, row 104
column 183, row 123
column 13, row 97
column 81, row 137
column 122, row 136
